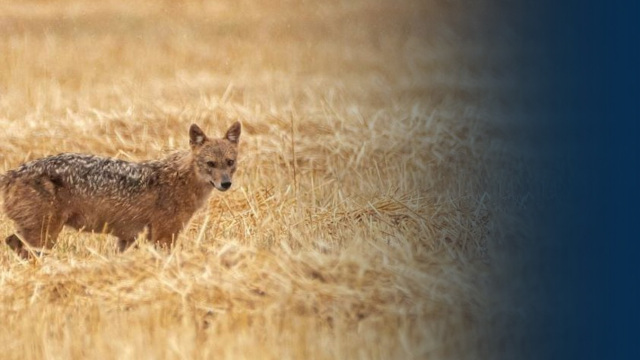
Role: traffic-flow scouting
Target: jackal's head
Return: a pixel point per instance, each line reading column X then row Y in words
column 215, row 159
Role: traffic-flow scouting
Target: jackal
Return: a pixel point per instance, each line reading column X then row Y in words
column 99, row 194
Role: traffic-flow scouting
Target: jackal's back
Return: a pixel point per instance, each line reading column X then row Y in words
column 87, row 175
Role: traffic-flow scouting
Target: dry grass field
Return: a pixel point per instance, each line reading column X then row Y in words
column 377, row 189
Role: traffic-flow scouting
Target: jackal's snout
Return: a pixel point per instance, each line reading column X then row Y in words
column 224, row 185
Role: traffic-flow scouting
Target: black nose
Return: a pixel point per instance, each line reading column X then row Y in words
column 226, row 185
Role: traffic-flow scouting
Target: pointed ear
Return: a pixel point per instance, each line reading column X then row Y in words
column 196, row 136
column 233, row 134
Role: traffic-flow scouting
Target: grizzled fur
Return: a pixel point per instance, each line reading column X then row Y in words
column 99, row 194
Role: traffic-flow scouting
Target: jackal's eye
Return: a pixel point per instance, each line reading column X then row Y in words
column 211, row 164
column 230, row 162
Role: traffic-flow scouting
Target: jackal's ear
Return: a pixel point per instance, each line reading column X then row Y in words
column 196, row 136
column 233, row 134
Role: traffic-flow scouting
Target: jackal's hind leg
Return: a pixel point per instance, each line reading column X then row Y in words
column 32, row 205
column 39, row 234
column 14, row 242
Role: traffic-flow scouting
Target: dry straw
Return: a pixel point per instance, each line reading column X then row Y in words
column 366, row 204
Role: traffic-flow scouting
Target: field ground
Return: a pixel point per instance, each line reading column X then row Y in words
column 377, row 191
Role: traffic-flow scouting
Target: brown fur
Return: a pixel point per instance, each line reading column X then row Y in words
column 98, row 194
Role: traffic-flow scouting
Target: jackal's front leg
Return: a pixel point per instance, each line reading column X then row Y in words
column 164, row 234
column 125, row 242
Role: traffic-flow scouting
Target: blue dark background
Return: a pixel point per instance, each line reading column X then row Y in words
column 587, row 67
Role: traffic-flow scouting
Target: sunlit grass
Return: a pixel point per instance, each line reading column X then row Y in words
column 362, row 216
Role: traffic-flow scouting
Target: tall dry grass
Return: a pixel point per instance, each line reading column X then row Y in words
column 377, row 179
